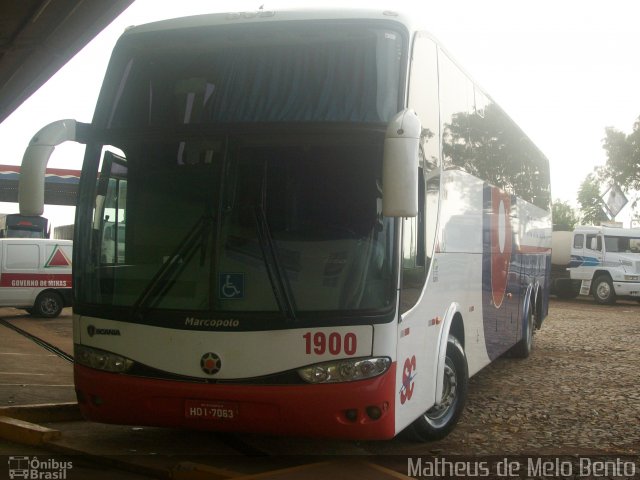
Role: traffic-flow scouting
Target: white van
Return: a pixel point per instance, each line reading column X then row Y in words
column 35, row 274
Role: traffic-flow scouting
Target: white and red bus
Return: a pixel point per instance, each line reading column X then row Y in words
column 324, row 228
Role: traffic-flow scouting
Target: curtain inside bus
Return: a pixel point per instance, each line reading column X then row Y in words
column 332, row 75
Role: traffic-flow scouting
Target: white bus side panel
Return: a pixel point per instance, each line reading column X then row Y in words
column 455, row 275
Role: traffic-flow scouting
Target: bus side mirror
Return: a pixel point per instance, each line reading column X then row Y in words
column 400, row 165
column 35, row 159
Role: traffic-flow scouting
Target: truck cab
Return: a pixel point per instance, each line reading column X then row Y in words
column 606, row 261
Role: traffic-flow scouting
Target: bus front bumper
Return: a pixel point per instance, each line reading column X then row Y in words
column 339, row 410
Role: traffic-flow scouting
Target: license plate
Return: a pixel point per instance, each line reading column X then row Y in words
column 210, row 410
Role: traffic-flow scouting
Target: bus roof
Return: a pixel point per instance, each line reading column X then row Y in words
column 262, row 16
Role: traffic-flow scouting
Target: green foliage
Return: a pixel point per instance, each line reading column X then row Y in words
column 492, row 147
column 623, row 158
column 590, row 201
column 565, row 217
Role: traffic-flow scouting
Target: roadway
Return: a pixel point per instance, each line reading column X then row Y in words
column 575, row 395
column 31, row 376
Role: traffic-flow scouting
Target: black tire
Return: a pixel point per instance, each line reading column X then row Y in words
column 602, row 290
column 523, row 348
column 438, row 421
column 48, row 305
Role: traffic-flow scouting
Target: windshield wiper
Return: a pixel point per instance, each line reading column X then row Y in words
column 279, row 283
column 164, row 278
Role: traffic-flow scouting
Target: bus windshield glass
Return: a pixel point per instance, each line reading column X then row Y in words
column 24, row 233
column 241, row 224
column 313, row 72
column 246, row 174
column 15, row 225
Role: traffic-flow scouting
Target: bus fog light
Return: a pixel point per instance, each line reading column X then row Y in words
column 101, row 360
column 351, row 414
column 345, row 370
column 374, row 412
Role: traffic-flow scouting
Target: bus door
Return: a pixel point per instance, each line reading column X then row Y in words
column 109, row 223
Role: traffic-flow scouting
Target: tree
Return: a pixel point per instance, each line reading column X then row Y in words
column 564, row 216
column 590, row 201
column 493, row 148
column 623, row 158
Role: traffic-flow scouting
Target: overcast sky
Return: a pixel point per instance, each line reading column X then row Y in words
column 563, row 70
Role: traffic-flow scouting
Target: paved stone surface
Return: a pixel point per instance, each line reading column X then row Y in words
column 30, row 374
column 576, row 394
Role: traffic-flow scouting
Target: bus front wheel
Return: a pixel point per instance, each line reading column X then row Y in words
column 440, row 419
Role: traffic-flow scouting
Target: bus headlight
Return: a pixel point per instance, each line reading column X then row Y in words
column 101, row 360
column 345, row 370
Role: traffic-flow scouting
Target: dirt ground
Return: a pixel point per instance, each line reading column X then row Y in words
column 578, row 393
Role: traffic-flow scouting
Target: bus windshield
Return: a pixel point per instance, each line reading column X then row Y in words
column 246, row 175
column 313, row 72
column 242, row 224
column 15, row 225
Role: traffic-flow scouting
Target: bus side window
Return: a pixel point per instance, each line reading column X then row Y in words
column 414, row 264
column 423, row 98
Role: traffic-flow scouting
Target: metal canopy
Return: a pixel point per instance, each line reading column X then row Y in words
column 37, row 37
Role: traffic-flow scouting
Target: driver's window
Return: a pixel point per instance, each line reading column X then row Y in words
column 594, row 242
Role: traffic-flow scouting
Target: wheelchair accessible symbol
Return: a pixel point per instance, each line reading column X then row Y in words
column 231, row 286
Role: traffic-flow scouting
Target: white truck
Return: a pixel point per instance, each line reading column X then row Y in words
column 35, row 274
column 599, row 261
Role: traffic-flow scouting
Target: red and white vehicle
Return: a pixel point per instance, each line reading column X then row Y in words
column 318, row 225
column 35, row 274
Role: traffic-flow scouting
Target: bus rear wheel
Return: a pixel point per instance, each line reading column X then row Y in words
column 523, row 348
column 440, row 419
column 48, row 305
